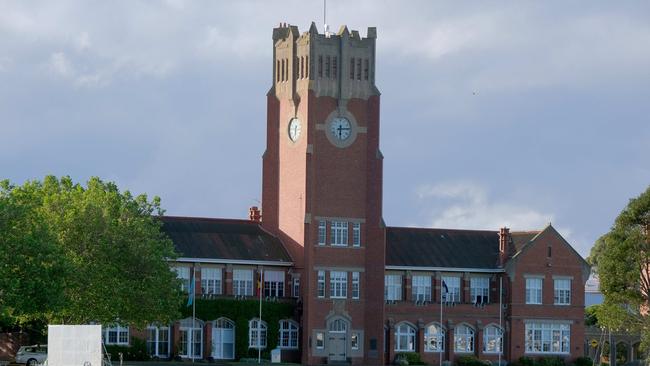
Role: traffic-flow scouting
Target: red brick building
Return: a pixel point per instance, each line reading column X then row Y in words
column 320, row 239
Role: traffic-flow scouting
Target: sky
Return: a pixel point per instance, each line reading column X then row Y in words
column 493, row 114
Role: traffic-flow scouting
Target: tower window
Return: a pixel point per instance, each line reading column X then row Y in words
column 320, row 66
column 365, row 69
column 282, row 78
column 335, row 67
column 302, row 67
column 358, row 69
column 352, row 68
column 296, row 69
column 277, row 72
column 310, row 67
column 327, row 66
column 286, row 69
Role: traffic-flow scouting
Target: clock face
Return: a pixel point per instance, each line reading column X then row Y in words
column 294, row 129
column 340, row 128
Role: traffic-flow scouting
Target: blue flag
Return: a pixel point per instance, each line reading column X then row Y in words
column 190, row 299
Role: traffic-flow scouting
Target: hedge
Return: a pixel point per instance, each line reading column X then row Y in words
column 241, row 312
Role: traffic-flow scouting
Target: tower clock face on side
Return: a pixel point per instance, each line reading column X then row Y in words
column 340, row 128
column 294, row 129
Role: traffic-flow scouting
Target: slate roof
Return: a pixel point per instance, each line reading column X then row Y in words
column 225, row 239
column 521, row 238
column 419, row 247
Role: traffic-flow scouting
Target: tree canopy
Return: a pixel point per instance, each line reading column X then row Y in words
column 622, row 259
column 77, row 254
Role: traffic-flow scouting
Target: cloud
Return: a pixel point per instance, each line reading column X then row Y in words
column 466, row 205
column 60, row 65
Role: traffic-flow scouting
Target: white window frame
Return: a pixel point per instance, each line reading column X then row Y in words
column 296, row 287
column 404, row 331
column 320, row 340
column 211, row 281
column 463, row 339
column 320, row 288
column 480, row 286
column 356, row 234
column 562, row 291
column 219, row 328
column 547, row 338
column 492, row 340
column 354, row 341
column 356, row 285
column 393, row 287
column 190, row 333
column 534, row 286
column 154, row 343
column 257, row 333
column 339, row 233
column 242, row 282
column 421, row 288
column 338, row 284
column 183, row 274
column 121, row 335
column 434, row 341
column 453, row 289
column 322, row 232
column 273, row 283
column 288, row 337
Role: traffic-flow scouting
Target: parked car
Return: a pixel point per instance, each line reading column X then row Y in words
column 32, row 355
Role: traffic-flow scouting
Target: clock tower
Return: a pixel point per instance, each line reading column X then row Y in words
column 322, row 188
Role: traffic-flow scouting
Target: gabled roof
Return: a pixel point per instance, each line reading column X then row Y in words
column 438, row 248
column 223, row 239
column 521, row 238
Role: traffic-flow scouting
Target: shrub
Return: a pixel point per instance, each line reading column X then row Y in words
column 137, row 351
column 550, row 361
column 411, row 358
column 470, row 360
column 583, row 361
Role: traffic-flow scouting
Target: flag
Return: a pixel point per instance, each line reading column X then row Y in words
column 190, row 299
column 259, row 285
column 444, row 285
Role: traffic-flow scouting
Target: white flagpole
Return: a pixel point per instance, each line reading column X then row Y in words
column 440, row 346
column 193, row 313
column 500, row 310
column 260, row 285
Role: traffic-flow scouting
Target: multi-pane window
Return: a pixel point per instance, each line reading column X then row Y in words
column 480, row 290
column 354, row 341
column 547, row 337
column 211, row 281
column 534, row 290
column 273, row 283
column 338, row 284
column 320, row 66
column 223, row 339
column 335, row 67
column 358, row 69
column 288, row 334
column 562, row 291
column 296, row 287
column 404, row 338
column 183, row 274
column 352, row 68
column 327, row 66
column 365, row 69
column 321, row 284
column 322, row 230
column 450, row 291
column 393, row 287
column 463, row 339
column 339, row 232
column 116, row 335
column 190, row 342
column 320, row 340
column 158, row 341
column 434, row 338
column 421, row 288
column 257, row 334
column 356, row 234
column 242, row 282
column 355, row 285
column 492, row 339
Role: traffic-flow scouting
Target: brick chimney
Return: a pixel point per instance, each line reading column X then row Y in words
column 505, row 245
column 254, row 214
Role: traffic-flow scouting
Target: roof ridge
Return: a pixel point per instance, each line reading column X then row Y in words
column 437, row 228
column 243, row 221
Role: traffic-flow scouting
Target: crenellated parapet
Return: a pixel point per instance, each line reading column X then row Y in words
column 340, row 65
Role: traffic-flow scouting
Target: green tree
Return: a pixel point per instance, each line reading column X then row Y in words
column 99, row 254
column 622, row 257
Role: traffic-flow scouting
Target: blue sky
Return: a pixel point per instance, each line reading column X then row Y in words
column 493, row 114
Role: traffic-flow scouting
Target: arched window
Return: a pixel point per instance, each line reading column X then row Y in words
column 404, row 338
column 288, row 334
column 257, row 334
column 434, row 338
column 223, row 339
column 492, row 339
column 190, row 344
column 338, row 326
column 463, row 339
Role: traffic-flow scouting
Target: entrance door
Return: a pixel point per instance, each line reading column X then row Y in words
column 223, row 339
column 336, row 346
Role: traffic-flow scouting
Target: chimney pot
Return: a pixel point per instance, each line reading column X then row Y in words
column 254, row 214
